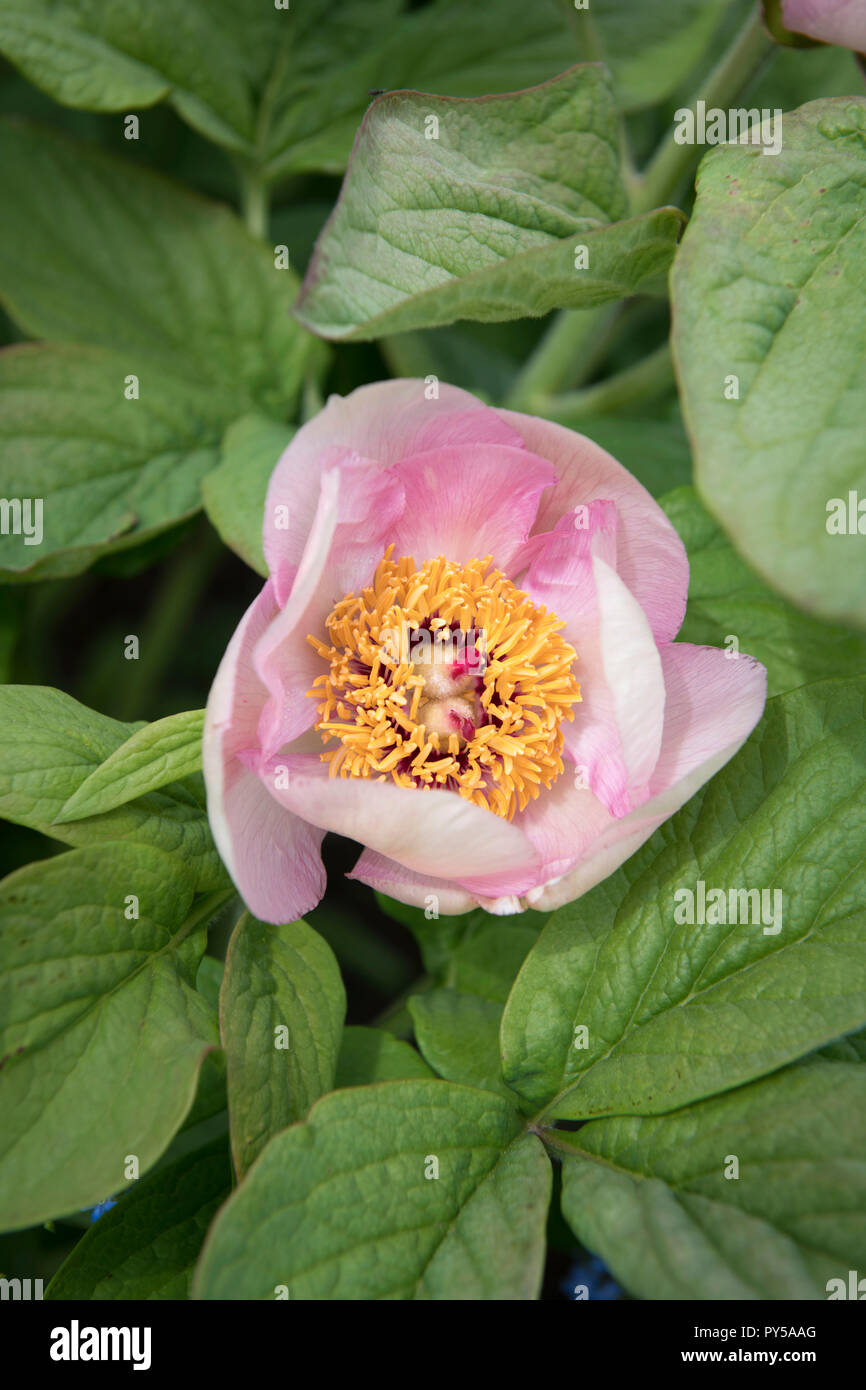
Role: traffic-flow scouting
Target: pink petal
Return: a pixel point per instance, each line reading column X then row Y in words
column 617, row 729
column 470, row 501
column 272, row 856
column 651, row 559
column 833, row 21
column 713, row 704
column 396, row 881
column 386, row 422
column 359, row 505
column 435, row 833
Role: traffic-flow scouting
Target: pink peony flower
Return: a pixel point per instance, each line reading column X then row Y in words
column 833, row 21
column 464, row 659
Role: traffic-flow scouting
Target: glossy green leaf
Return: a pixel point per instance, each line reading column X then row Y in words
column 767, row 296
column 727, row 600
column 103, row 1032
column 482, row 215
column 673, row 1012
column 437, row 934
column 458, row 1034
column 759, row 1194
column 121, row 57
column 487, row 962
column 146, row 269
column 234, row 493
column 50, row 744
column 282, row 1006
column 104, row 472
column 368, row 1055
column 185, row 324
column 161, row 752
column 288, row 87
column 345, row 1205
column 146, row 1246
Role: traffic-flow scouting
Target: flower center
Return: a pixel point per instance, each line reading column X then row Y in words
column 446, row 676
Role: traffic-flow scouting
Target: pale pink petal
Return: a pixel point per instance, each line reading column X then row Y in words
column 396, row 881
column 616, row 733
column 386, row 422
column 713, row 704
column 359, row 505
column 433, row 832
column 633, row 672
column 833, row 21
column 651, row 559
column 470, row 501
column 714, row 701
column 272, row 856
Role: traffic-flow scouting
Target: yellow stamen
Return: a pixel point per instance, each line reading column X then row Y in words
column 373, row 699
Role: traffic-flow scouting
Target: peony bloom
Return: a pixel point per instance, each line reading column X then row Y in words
column 832, row 21
column 464, row 659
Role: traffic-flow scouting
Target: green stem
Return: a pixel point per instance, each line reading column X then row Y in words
column 573, row 336
column 583, row 24
column 203, row 913
column 556, row 361
column 255, row 201
column 650, row 377
column 671, row 162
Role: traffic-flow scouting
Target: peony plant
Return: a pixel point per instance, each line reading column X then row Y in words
column 433, row 666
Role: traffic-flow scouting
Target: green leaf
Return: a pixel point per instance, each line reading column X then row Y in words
column 727, row 600
column 234, row 494
column 368, row 1055
column 159, row 753
column 199, row 294
column 850, row 1049
column 482, row 221
column 655, row 451
column 768, row 288
column 282, row 1006
column 103, row 1031
column 437, row 935
column 651, row 49
column 652, row 1198
column 339, row 1207
column 321, row 87
column 146, row 1246
column 673, row 1011
column 457, row 1027
column 185, row 329
column 108, row 472
column 444, row 944
column 287, row 88
column 120, row 57
column 458, row 1035
column 209, row 979
column 486, row 963
column 50, row 744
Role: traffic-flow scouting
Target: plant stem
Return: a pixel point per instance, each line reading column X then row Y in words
column 671, row 162
column 558, row 358
column 255, row 201
column 650, row 377
column 572, row 337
